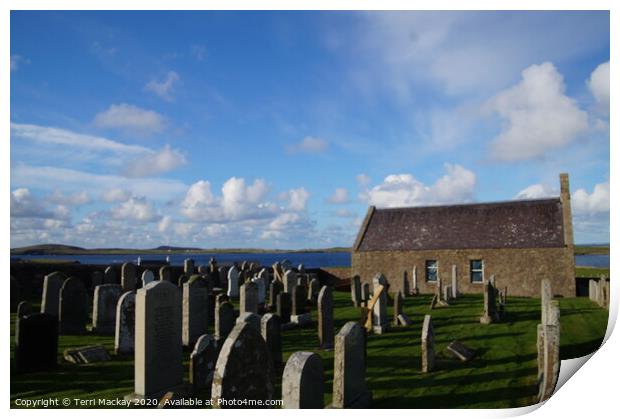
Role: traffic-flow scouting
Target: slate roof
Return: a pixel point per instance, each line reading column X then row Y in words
column 511, row 224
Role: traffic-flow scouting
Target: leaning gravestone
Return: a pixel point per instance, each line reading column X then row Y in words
column 248, row 298
column 243, row 369
column 87, row 354
column 202, row 364
column 104, row 308
column 36, row 342
column 350, row 390
column 461, row 351
column 224, row 320
column 128, row 276
column 356, row 291
column 73, row 312
column 147, row 278
column 233, row 282
column 326, row 318
column 302, row 381
column 125, row 330
column 158, row 363
column 428, row 345
column 195, row 310
column 270, row 331
column 109, row 275
column 51, row 293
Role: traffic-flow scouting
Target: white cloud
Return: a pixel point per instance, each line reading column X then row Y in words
column 130, row 118
column 135, row 209
column 155, row 163
column 25, row 205
column 164, row 224
column 598, row 83
column 76, row 199
column 164, row 89
column 116, row 195
column 538, row 116
column 363, row 180
column 456, row 186
column 340, row 196
column 537, row 191
column 62, row 137
column 298, row 199
column 310, row 145
column 591, row 203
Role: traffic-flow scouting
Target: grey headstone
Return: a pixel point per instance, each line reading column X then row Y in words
column 87, row 355
column 104, row 308
column 248, row 298
column 313, row 290
column 147, row 278
column 188, row 266
column 73, row 312
column 224, row 320
column 428, row 345
column 51, row 293
column 461, row 351
column 455, row 284
column 195, row 310
column 250, row 318
column 302, row 381
column 289, row 281
column 490, row 309
column 365, row 292
column 379, row 311
column 128, row 277
column 202, row 364
column 350, row 390
column 165, row 274
column 275, row 288
column 233, row 282
column 325, row 314
column 270, row 331
column 356, row 291
column 109, row 275
column 125, row 330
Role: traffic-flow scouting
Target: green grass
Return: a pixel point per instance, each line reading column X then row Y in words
column 590, row 272
column 591, row 250
column 503, row 374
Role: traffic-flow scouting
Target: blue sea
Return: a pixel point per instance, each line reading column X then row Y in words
column 310, row 260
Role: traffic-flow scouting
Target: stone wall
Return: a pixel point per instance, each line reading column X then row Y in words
column 521, row 270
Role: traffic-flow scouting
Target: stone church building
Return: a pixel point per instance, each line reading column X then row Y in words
column 519, row 242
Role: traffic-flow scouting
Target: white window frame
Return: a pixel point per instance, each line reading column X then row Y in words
column 426, row 270
column 471, row 271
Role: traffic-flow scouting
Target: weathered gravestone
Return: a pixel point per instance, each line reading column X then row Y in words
column 298, row 310
column 490, row 309
column 302, row 381
column 284, row 307
column 248, row 298
column 325, row 314
column 128, row 276
column 158, row 363
column 23, row 309
column 87, row 355
column 243, row 369
column 165, row 274
column 270, row 331
column 147, row 278
column 545, row 296
column 428, row 345
column 461, row 351
column 275, row 288
column 195, row 310
column 447, row 293
column 592, row 290
column 250, row 318
column 233, row 282
column 36, row 342
column 73, row 312
column 104, row 308
column 125, row 330
column 548, row 344
column 356, row 291
column 202, row 364
column 188, row 267
column 109, row 275
column 379, row 311
column 224, row 320
column 314, row 287
column 289, row 281
column 350, row 390
column 51, row 293
column 261, row 288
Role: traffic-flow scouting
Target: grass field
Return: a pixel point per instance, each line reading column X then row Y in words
column 590, row 272
column 503, row 374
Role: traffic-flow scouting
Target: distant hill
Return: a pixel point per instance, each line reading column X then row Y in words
column 47, row 249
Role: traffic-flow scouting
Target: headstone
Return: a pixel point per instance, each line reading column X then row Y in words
column 592, row 289
column 289, row 281
column 128, row 276
column 248, row 298
column 223, row 276
column 188, row 267
column 350, row 390
column 182, row 280
column 549, row 359
column 275, row 288
column 87, row 355
column 104, row 308
column 365, row 292
column 147, row 278
column 195, row 310
column 270, row 331
column 51, row 293
column 461, row 351
column 298, row 309
column 73, row 312
column 109, row 275
column 404, row 320
column 261, row 288
column 326, row 318
column 165, row 274
column 36, row 342
column 379, row 311
column 284, row 307
column 405, row 291
column 158, row 347
column 447, row 293
column 224, row 320
column 243, row 369
column 302, row 381
column 252, row 319
column 202, row 364
column 233, row 282
column 415, row 290
column 23, row 309
column 356, row 291
column 545, row 296
column 428, row 345
column 455, row 285
column 313, row 290
column 125, row 330
column 490, row 309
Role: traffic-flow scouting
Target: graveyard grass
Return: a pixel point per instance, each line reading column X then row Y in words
column 503, row 373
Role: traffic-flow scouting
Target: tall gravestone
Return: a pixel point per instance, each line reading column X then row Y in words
column 313, row 290
column 51, row 293
column 195, row 310
column 36, row 342
column 545, row 296
column 73, row 311
column 398, row 307
column 490, row 309
column 350, row 390
column 356, row 291
column 128, row 276
column 243, row 369
column 414, row 278
column 224, row 319
column 405, row 291
column 158, row 363
column 289, row 281
column 455, row 284
column 325, row 310
column 104, row 308
column 270, row 331
column 298, row 310
column 248, row 298
column 379, row 311
column 202, row 364
column 302, row 381
column 428, row 345
column 109, row 275
column 233, row 282
column 549, row 351
column 261, row 289
column 275, row 288
column 125, row 330
column 188, row 267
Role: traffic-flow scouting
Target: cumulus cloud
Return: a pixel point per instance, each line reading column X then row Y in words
column 116, row 195
column 298, row 199
column 456, row 186
column 75, row 199
column 591, row 203
column 340, row 196
column 130, row 118
column 165, row 88
column 537, row 115
column 598, row 83
column 537, row 191
column 135, row 209
column 25, row 205
column 309, row 145
column 155, row 163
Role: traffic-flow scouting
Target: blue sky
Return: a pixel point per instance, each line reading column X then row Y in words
column 278, row 129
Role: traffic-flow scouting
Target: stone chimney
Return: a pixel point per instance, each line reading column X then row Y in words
column 566, row 211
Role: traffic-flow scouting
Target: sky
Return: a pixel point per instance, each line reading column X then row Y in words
column 279, row 129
